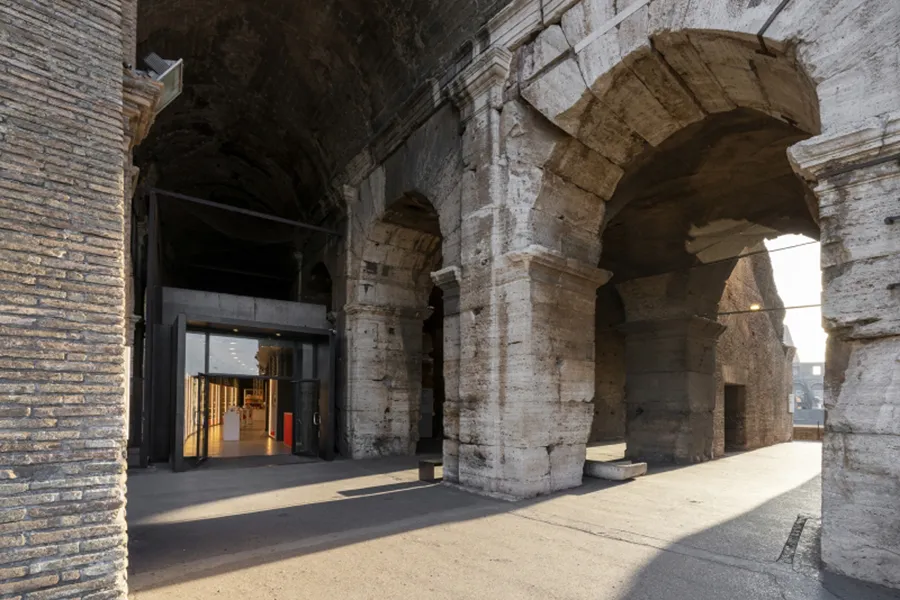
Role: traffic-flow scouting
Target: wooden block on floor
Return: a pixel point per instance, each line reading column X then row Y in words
column 427, row 468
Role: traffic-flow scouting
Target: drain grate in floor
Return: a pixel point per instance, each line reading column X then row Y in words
column 790, row 546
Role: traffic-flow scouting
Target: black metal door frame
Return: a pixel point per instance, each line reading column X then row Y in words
column 306, row 418
column 203, row 417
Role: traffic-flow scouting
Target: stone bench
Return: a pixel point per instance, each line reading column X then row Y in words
column 614, row 471
column 427, row 468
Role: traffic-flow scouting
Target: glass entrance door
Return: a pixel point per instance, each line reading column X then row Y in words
column 191, row 398
column 218, row 414
column 306, row 417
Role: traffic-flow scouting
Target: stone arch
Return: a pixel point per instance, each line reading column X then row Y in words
column 403, row 227
column 401, row 250
column 424, row 174
column 636, row 102
column 837, row 58
column 615, row 105
column 384, row 328
column 572, row 63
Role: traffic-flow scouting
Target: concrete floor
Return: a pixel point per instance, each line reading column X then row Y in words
column 369, row 529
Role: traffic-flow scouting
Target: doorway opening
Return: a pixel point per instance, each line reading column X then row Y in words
column 431, row 411
column 735, row 417
column 244, row 415
column 246, row 395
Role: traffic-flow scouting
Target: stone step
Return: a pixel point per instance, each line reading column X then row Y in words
column 614, row 471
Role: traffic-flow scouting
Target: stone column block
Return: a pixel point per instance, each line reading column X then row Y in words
column 671, row 389
column 384, row 379
column 857, row 181
column 448, row 280
column 861, row 459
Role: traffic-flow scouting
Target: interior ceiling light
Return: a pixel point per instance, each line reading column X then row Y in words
column 167, row 72
column 234, row 330
column 755, row 307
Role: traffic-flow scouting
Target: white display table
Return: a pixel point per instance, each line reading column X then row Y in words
column 231, row 427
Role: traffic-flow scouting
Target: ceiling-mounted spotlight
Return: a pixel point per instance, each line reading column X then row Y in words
column 167, row 72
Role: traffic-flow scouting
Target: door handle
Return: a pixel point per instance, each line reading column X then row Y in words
column 316, row 419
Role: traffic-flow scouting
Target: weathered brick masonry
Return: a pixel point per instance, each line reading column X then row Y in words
column 62, row 415
column 536, row 139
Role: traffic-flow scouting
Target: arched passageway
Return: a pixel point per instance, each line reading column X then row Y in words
column 618, row 89
column 669, row 167
column 681, row 215
column 516, row 121
column 389, row 352
column 278, row 103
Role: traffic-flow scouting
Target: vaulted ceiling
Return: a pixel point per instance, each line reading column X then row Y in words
column 280, row 94
column 707, row 193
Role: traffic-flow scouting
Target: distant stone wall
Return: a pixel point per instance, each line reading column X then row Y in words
column 62, row 414
column 750, row 353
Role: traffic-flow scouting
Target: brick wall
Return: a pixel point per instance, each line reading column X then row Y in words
column 750, row 353
column 62, row 426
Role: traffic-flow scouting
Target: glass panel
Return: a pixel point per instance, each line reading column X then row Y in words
column 234, row 355
column 194, row 365
column 223, row 395
column 305, row 424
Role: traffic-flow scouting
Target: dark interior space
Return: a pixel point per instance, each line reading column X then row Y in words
column 433, row 376
column 209, row 249
column 609, row 366
column 735, row 418
column 278, row 98
column 712, row 189
column 318, row 287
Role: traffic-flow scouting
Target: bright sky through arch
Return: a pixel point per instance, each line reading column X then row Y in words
column 798, row 278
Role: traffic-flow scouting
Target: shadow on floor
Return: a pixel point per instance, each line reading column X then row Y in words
column 162, row 490
column 166, row 553
column 753, row 556
column 758, row 555
column 381, row 489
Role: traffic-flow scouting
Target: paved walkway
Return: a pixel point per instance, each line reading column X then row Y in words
column 368, row 529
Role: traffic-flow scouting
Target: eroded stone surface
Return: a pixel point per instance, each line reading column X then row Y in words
column 510, row 155
column 614, row 471
column 749, row 354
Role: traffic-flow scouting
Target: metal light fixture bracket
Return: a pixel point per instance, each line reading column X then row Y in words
column 167, row 72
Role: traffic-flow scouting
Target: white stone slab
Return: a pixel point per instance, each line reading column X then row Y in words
column 614, row 471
